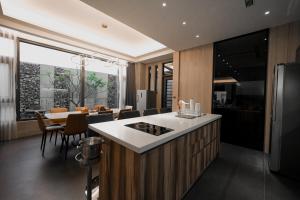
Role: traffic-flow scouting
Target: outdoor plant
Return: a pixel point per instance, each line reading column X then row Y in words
column 67, row 83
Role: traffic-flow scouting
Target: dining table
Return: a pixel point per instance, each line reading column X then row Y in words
column 64, row 115
column 60, row 115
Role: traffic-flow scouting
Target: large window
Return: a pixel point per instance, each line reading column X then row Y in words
column 56, row 78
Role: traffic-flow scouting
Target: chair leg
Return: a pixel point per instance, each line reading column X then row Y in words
column 55, row 137
column 45, row 139
column 80, row 136
column 62, row 142
column 42, row 142
column 85, row 135
column 67, row 147
column 51, row 136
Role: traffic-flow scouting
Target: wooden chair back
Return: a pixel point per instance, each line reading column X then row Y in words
column 152, row 111
column 92, row 119
column 106, row 112
column 76, row 124
column 84, row 109
column 99, row 107
column 165, row 110
column 41, row 122
column 124, row 110
column 129, row 114
column 58, row 110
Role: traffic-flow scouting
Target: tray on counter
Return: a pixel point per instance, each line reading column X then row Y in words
column 190, row 116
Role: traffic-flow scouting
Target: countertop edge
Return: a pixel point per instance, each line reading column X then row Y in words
column 141, row 150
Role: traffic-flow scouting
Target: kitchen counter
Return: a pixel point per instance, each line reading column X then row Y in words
column 136, row 165
column 140, row 142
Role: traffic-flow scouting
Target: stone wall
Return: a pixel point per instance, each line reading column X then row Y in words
column 29, row 86
column 40, row 90
column 112, row 92
column 61, row 92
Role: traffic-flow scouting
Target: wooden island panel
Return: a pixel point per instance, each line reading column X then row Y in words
column 165, row 172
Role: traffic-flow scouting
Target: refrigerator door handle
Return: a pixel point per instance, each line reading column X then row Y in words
column 275, row 93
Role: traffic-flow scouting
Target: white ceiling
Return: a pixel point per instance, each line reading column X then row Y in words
column 212, row 20
column 78, row 20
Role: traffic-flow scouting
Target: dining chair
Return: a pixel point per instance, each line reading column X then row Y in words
column 123, row 110
column 84, row 109
column 129, row 114
column 76, row 124
column 60, row 122
column 99, row 108
column 152, row 111
column 45, row 128
column 105, row 112
column 58, row 110
column 165, row 110
column 92, row 119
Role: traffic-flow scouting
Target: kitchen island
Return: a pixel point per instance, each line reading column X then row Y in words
column 139, row 165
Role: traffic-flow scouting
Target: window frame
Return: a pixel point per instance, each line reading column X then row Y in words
column 82, row 70
column 164, row 80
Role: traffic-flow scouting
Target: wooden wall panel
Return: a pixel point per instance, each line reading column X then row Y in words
column 140, row 79
column 146, row 75
column 283, row 43
column 293, row 40
column 159, row 85
column 195, row 75
column 26, row 129
column 152, row 80
column 176, row 78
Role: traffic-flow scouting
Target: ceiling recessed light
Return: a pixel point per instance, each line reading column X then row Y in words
column 223, row 60
column 197, row 36
column 104, row 26
column 265, row 39
column 184, row 23
column 164, row 4
column 267, row 12
column 219, row 55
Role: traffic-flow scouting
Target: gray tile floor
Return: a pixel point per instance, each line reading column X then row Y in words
column 243, row 174
column 238, row 174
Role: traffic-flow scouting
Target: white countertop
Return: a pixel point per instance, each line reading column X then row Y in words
column 139, row 141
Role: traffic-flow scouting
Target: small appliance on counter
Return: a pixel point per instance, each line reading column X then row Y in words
column 189, row 110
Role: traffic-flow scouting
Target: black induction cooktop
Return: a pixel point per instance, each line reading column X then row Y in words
column 149, row 128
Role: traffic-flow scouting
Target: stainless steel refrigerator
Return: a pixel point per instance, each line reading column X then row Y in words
column 285, row 136
column 145, row 99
